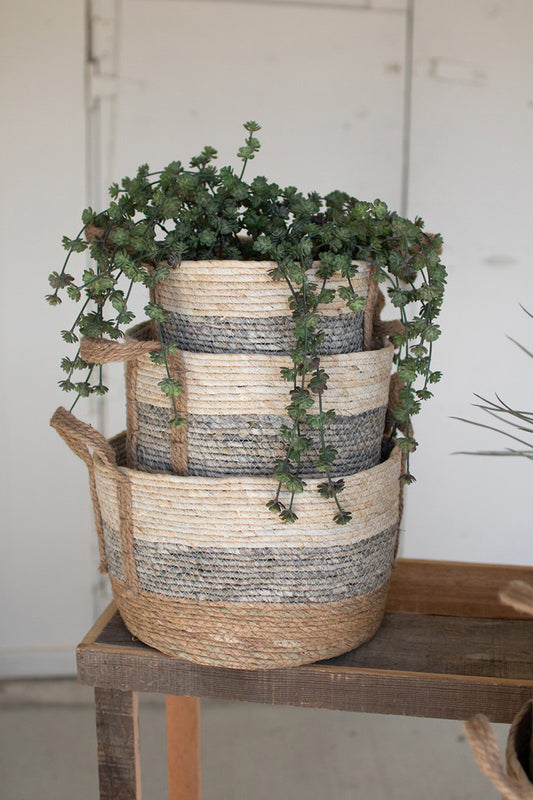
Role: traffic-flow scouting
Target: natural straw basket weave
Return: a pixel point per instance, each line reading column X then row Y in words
column 235, row 407
column 201, row 569
column 230, row 306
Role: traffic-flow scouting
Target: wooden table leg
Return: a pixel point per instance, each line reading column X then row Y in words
column 117, row 731
column 183, row 748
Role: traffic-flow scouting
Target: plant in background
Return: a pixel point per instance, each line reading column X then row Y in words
column 157, row 219
column 520, row 422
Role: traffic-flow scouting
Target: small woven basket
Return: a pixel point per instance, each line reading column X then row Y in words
column 236, row 307
column 201, row 569
column 235, row 405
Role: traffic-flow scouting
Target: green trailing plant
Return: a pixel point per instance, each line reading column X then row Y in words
column 519, row 423
column 157, row 219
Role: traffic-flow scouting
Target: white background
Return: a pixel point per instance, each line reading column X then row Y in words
column 427, row 104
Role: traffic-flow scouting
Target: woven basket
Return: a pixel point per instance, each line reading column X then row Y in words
column 235, row 307
column 235, row 407
column 201, row 569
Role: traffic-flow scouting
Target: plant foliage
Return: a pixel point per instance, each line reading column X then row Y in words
column 157, row 219
column 519, row 423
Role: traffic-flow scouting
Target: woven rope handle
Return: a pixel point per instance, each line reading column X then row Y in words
column 82, row 438
column 105, row 351
column 487, row 754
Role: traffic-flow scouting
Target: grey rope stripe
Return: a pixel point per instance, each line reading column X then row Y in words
column 270, row 574
column 250, row 444
column 343, row 333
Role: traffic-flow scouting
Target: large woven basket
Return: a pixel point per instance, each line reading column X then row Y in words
column 201, row 569
column 235, row 307
column 235, row 408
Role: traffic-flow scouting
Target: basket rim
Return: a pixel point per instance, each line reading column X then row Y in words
column 142, row 333
column 257, row 482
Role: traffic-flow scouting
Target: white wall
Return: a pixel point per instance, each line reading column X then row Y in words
column 327, row 83
column 471, row 178
column 47, row 566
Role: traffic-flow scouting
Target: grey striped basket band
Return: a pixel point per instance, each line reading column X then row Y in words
column 268, row 574
column 251, row 444
column 342, row 334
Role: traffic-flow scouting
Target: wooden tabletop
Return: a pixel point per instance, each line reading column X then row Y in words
column 447, row 648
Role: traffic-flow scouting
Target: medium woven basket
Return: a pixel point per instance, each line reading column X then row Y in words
column 201, row 569
column 235, row 408
column 236, row 307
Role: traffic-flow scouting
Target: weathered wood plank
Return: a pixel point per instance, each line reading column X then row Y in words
column 117, row 733
column 497, row 649
column 479, row 648
column 101, row 623
column 453, row 588
column 183, row 748
column 465, row 666
column 319, row 686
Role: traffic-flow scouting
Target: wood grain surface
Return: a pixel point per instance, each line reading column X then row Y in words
column 183, row 748
column 453, row 588
column 117, row 733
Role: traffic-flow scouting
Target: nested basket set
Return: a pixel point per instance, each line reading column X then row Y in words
column 199, row 567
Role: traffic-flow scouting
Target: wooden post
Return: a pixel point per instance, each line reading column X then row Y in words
column 117, row 732
column 183, row 748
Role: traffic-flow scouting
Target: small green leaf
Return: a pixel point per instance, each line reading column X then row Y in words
column 434, row 377
column 177, row 422
column 324, row 490
column 88, row 215
column 125, row 317
column 327, row 296
column 294, row 484
column 74, row 293
column 170, row 387
column 342, row 518
column 75, row 245
column 83, row 388
column 406, row 445
column 59, row 280
column 330, row 489
column 276, row 506
column 155, row 311
column 280, row 472
column 288, row 374
column 432, row 333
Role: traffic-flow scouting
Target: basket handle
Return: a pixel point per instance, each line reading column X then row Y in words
column 82, row 438
column 486, row 752
column 105, row 351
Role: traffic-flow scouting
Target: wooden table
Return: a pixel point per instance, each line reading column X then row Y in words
column 447, row 648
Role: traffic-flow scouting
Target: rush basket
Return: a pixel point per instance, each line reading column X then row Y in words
column 226, row 306
column 201, row 569
column 234, row 405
